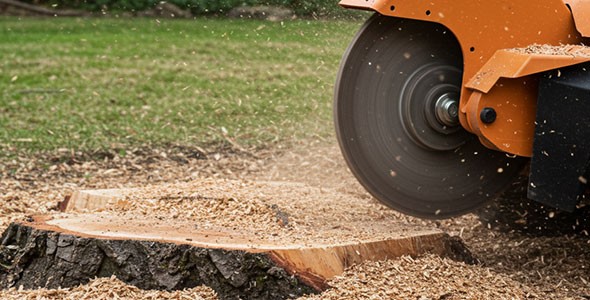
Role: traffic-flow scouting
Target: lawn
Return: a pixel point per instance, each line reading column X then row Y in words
column 91, row 84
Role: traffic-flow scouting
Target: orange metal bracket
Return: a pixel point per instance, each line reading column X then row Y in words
column 504, row 84
column 515, row 63
column 515, row 106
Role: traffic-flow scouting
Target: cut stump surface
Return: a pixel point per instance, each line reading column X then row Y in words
column 243, row 239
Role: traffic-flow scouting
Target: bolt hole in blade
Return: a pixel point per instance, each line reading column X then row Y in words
column 395, row 113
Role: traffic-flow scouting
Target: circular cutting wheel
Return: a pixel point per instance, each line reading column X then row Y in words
column 396, row 114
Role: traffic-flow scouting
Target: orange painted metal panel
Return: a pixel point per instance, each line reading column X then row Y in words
column 515, row 63
column 581, row 13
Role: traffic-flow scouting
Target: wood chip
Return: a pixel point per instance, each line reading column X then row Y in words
column 107, row 289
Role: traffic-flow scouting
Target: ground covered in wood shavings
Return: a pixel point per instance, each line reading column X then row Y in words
column 107, row 289
column 513, row 264
column 428, row 277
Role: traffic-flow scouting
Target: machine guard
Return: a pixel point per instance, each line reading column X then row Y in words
column 561, row 150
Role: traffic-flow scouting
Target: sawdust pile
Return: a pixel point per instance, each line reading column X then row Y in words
column 271, row 211
column 428, row 277
column 32, row 185
column 16, row 205
column 206, row 202
column 107, row 288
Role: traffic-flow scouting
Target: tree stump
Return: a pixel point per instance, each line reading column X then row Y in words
column 125, row 233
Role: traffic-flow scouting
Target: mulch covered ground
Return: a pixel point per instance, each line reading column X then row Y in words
column 512, row 265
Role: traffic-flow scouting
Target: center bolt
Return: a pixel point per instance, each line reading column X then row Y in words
column 446, row 109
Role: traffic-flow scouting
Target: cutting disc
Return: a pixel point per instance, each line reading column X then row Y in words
column 396, row 115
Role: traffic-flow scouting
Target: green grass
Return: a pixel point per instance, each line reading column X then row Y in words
column 91, row 84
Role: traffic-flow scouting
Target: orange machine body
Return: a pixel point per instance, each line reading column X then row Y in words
column 500, row 41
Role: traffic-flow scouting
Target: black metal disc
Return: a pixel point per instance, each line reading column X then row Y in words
column 390, row 80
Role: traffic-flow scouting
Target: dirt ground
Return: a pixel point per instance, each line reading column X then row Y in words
column 512, row 265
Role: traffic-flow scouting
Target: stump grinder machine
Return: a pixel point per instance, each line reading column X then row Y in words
column 440, row 104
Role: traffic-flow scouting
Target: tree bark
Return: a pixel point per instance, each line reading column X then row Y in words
column 40, row 258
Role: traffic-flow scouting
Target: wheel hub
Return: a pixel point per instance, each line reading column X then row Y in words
column 429, row 107
column 446, row 109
